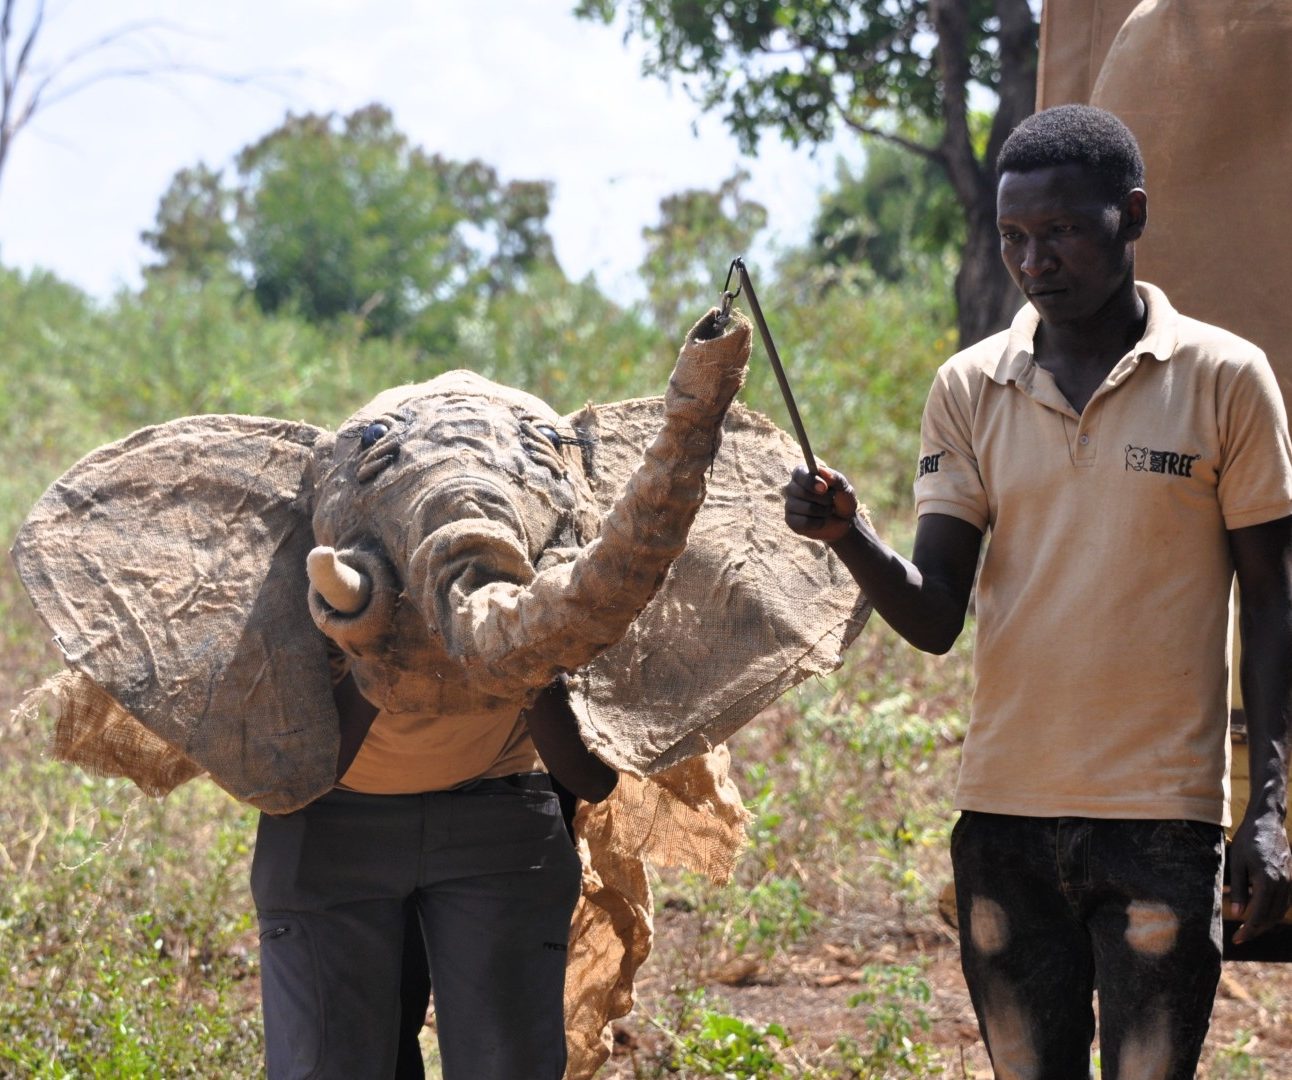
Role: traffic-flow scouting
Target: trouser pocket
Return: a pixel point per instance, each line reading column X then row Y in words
column 291, row 995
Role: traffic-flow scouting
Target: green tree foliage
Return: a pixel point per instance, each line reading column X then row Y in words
column 194, row 234
column 336, row 216
column 684, row 251
column 890, row 218
column 565, row 342
column 803, row 68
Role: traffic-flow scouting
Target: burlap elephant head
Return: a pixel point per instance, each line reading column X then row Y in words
column 464, row 544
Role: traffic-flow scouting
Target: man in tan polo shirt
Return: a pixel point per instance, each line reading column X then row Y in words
column 1126, row 462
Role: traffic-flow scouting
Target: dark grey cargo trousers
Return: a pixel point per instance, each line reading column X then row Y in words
column 494, row 877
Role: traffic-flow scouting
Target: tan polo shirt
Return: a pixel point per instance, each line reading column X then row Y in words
column 1102, row 644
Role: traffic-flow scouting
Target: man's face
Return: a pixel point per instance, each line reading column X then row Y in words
column 1065, row 245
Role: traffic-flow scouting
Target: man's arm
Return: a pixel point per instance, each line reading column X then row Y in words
column 924, row 599
column 356, row 714
column 555, row 731
column 1260, row 877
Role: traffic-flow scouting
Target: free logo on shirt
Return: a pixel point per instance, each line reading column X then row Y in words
column 929, row 463
column 1142, row 459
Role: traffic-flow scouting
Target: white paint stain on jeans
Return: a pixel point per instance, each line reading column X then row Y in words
column 988, row 926
column 1009, row 1039
column 1151, row 929
column 1146, row 1054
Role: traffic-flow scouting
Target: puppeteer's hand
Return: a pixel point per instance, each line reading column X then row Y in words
column 820, row 507
column 1260, row 876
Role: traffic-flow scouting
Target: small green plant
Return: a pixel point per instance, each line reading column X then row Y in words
column 896, row 847
column 896, row 997
column 1236, row 1061
column 711, row 1043
column 771, row 915
column 766, row 816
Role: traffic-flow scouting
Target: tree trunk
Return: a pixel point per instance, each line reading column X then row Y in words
column 985, row 297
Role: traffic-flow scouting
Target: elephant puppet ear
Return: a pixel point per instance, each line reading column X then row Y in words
column 170, row 567
column 747, row 611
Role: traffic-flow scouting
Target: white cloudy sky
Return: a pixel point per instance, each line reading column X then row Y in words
column 520, row 84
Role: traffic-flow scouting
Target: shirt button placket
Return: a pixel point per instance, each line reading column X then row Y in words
column 1087, row 432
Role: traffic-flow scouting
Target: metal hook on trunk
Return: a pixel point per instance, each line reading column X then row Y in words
column 724, row 314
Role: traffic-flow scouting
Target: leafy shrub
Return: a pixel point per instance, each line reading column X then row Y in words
column 896, row 997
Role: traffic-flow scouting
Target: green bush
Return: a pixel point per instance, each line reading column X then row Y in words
column 896, row 998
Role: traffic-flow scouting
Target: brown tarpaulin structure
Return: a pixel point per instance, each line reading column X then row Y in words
column 1206, row 86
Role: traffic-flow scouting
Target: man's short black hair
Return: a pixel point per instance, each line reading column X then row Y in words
column 1076, row 135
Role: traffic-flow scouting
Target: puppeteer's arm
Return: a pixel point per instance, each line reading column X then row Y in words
column 356, row 713
column 1260, row 870
column 555, row 731
column 925, row 598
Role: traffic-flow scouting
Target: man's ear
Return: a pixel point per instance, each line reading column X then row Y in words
column 170, row 567
column 1134, row 214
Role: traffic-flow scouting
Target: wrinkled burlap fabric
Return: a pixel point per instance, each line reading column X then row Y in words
column 750, row 609
column 688, row 816
column 169, row 567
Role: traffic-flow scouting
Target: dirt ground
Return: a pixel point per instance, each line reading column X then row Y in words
column 807, row 991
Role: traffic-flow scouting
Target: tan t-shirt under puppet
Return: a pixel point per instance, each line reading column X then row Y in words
column 406, row 753
column 1102, row 645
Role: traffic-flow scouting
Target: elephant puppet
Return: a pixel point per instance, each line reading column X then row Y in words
column 460, row 545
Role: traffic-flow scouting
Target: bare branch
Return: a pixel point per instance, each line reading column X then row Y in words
column 26, row 90
column 147, row 72
column 9, row 81
column 133, row 30
column 929, row 153
column 5, row 25
column 24, row 54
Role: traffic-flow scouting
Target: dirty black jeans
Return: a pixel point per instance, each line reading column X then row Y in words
column 494, row 879
column 1053, row 909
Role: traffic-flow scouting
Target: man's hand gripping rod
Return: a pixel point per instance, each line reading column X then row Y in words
column 738, row 268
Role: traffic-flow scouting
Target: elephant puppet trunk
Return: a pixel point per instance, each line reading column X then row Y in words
column 520, row 633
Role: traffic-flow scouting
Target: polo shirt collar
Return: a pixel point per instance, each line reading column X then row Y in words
column 1158, row 340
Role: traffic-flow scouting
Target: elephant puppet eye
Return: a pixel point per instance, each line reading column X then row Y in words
column 372, row 433
column 550, row 434
column 378, row 445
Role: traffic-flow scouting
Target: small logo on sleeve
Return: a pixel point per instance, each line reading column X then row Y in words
column 1168, row 462
column 930, row 463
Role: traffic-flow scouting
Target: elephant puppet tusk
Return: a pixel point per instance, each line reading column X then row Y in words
column 344, row 588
